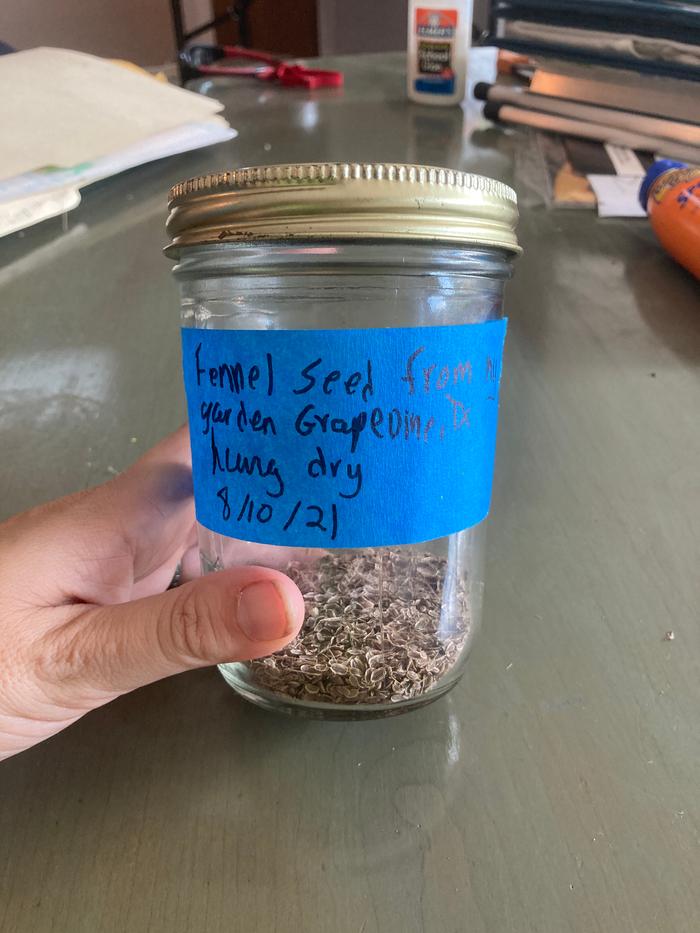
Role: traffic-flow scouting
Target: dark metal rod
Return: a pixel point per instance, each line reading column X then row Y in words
column 224, row 18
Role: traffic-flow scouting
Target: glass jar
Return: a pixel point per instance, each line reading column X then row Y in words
column 342, row 336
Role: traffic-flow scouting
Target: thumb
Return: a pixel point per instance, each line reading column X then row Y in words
column 233, row 615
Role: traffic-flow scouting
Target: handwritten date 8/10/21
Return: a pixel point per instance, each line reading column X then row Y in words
column 311, row 516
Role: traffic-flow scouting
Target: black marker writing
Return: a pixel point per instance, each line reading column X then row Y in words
column 307, row 421
column 248, row 511
column 443, row 378
column 310, row 380
column 257, row 422
column 392, row 424
column 319, row 466
column 224, row 461
column 429, row 425
column 460, row 413
column 409, row 370
column 232, row 376
column 328, row 382
column 223, row 495
column 270, row 375
column 302, row 446
column 446, row 375
column 213, row 413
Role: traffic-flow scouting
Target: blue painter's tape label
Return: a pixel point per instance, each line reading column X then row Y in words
column 343, row 438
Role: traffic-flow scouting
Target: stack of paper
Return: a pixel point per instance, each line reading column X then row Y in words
column 70, row 119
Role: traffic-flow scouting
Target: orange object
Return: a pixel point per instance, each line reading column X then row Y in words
column 509, row 61
column 670, row 193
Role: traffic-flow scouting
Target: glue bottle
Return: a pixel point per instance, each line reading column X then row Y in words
column 670, row 194
column 439, row 36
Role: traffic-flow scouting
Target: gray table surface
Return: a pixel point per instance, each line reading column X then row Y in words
column 557, row 787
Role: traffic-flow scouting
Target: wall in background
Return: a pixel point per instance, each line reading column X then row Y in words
column 361, row 26
column 138, row 30
column 141, row 30
column 347, row 26
column 286, row 27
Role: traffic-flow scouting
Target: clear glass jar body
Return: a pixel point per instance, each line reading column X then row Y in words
column 387, row 628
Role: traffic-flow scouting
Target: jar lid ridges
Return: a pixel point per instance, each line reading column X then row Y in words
column 306, row 172
column 324, row 201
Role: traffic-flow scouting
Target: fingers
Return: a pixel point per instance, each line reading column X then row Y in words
column 175, row 448
column 233, row 615
column 96, row 543
column 190, row 564
column 151, row 503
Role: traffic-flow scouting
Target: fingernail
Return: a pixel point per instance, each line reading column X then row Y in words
column 261, row 612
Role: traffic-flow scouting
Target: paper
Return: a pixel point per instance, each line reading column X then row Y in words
column 63, row 108
column 625, row 160
column 343, row 438
column 30, row 210
column 71, row 119
column 618, row 195
column 171, row 142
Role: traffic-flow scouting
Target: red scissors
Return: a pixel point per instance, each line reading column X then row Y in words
column 206, row 60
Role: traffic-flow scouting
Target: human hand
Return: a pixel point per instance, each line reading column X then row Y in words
column 83, row 615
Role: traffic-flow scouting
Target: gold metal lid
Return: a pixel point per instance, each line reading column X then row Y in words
column 337, row 200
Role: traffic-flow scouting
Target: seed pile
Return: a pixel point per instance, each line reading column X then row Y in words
column 381, row 626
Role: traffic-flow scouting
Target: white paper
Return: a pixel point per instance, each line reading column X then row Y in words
column 35, row 196
column 171, row 142
column 63, row 108
column 25, row 212
column 618, row 195
column 624, row 160
column 482, row 64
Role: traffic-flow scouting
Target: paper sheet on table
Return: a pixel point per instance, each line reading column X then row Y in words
column 30, row 210
column 625, row 160
column 482, row 65
column 64, row 108
column 27, row 199
column 171, row 142
column 618, row 195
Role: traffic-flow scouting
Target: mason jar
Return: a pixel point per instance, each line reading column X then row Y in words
column 342, row 332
